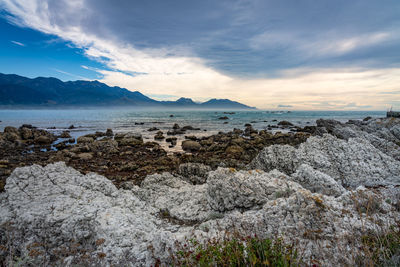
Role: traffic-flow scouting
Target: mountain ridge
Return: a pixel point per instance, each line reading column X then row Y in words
column 16, row 90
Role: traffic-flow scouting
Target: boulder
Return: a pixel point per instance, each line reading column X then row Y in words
column 190, row 146
column 65, row 134
column 285, row 123
column 43, row 140
column 223, row 118
column 85, row 140
column 109, row 132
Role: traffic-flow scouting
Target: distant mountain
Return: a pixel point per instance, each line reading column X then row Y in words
column 51, row 92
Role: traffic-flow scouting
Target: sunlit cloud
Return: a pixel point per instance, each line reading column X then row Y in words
column 176, row 70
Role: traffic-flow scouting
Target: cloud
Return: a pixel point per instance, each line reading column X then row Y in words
column 262, row 53
column 72, row 75
column 17, row 43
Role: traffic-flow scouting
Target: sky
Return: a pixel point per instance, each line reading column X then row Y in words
column 286, row 54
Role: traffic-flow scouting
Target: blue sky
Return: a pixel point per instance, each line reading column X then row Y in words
column 300, row 54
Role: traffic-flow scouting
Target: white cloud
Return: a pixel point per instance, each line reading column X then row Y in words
column 17, row 43
column 191, row 77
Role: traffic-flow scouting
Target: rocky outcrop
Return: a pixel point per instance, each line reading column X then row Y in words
column 350, row 163
column 384, row 134
column 58, row 205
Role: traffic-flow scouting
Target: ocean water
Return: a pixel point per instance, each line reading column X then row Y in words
column 123, row 120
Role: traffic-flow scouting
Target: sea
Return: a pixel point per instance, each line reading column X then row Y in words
column 87, row 121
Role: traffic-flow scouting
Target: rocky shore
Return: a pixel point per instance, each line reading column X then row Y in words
column 116, row 200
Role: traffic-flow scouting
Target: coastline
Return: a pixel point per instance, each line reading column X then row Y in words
column 313, row 185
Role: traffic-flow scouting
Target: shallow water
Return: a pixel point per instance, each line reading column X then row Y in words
column 123, row 120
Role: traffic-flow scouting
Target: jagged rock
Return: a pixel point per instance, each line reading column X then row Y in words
column 351, row 163
column 55, row 204
column 317, row 182
column 229, row 189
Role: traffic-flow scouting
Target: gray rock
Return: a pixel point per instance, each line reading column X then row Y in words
column 351, row 163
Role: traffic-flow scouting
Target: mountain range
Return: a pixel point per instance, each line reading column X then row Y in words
column 21, row 91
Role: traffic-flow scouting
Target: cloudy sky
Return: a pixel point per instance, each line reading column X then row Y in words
column 293, row 54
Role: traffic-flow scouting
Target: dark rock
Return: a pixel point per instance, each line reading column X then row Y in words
column 159, row 136
column 285, row 123
column 71, row 127
column 43, row 140
column 109, row 132
column 152, row 129
column 367, row 118
column 191, row 137
column 139, row 123
column 225, row 122
column 223, row 118
column 171, row 116
column 176, row 126
column 247, row 125
column 191, row 146
column 65, row 134
column 189, row 127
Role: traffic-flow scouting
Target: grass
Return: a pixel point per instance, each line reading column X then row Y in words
column 248, row 251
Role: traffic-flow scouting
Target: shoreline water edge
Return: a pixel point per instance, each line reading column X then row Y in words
column 123, row 198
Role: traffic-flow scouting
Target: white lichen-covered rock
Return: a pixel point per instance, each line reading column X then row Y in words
column 317, row 182
column 384, row 133
column 57, row 206
column 229, row 189
column 175, row 198
column 351, row 163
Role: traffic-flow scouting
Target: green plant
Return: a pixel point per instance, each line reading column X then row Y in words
column 381, row 248
column 237, row 251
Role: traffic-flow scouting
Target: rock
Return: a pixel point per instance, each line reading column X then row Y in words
column 139, row 123
column 152, row 129
column 11, row 136
column 10, row 129
column 223, row 118
column 55, row 204
column 234, row 150
column 317, row 182
column 85, row 156
column 351, row 163
column 43, row 140
column 195, row 173
column 189, row 127
column 65, row 134
column 71, row 127
column 176, row 126
column 159, row 136
column 191, row 137
column 190, row 146
column 109, row 132
column 171, row 116
column 84, row 140
column 367, row 118
column 285, row 123
column 229, row 189
column 26, row 133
